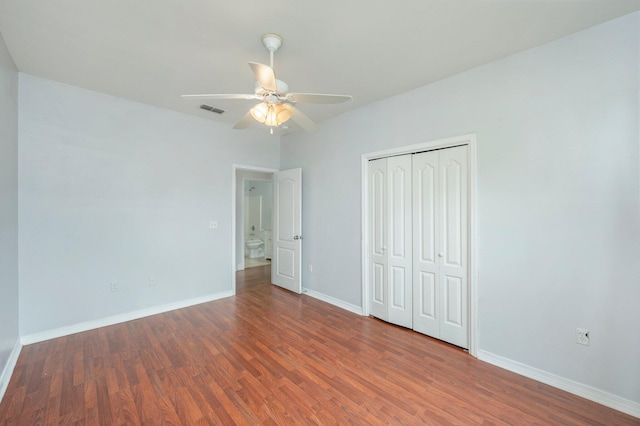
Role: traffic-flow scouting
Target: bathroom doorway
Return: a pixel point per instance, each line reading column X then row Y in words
column 258, row 201
column 254, row 206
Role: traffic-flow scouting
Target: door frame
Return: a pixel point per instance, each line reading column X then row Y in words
column 234, row 182
column 471, row 141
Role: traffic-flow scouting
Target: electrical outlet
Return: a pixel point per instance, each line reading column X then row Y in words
column 310, row 268
column 153, row 281
column 213, row 224
column 114, row 287
column 582, row 336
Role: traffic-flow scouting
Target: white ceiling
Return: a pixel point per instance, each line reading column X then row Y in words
column 152, row 51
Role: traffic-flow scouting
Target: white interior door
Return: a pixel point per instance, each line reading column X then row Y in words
column 287, row 251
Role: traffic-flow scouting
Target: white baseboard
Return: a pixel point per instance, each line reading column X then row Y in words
column 116, row 319
column 332, row 300
column 8, row 368
column 593, row 394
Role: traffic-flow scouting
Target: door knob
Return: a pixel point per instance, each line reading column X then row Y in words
column 440, row 254
column 297, row 237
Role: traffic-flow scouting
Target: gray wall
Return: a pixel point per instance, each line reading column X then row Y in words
column 8, row 207
column 558, row 194
column 113, row 190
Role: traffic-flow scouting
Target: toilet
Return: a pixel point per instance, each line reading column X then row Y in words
column 255, row 248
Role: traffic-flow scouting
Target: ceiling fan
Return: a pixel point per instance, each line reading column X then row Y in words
column 277, row 105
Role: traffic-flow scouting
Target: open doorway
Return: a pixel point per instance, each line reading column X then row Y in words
column 257, row 208
column 285, row 223
column 253, row 206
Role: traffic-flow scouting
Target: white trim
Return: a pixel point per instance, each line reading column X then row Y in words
column 424, row 146
column 234, row 171
column 5, row 377
column 473, row 246
column 364, row 235
column 333, row 301
column 116, row 319
column 240, row 204
column 593, row 394
column 471, row 141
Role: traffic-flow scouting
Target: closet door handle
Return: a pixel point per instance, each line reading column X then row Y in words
column 297, row 237
column 440, row 255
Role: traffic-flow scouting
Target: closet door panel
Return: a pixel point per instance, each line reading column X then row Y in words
column 452, row 293
column 398, row 282
column 378, row 238
column 451, row 199
column 400, row 249
column 378, row 277
column 425, row 297
column 426, row 292
column 453, row 245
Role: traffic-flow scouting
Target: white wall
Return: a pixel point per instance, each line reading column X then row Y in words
column 558, row 193
column 8, row 210
column 264, row 190
column 113, row 190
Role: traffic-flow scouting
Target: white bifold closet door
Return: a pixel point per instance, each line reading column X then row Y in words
column 418, row 250
column 390, row 248
column 440, row 245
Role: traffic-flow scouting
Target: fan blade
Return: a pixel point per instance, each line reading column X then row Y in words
column 244, row 121
column 222, row 96
column 305, row 122
column 265, row 76
column 318, row 98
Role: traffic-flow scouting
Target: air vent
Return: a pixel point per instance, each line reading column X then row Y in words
column 212, row 109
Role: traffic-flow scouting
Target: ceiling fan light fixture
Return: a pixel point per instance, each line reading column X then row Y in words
column 277, row 104
column 270, row 114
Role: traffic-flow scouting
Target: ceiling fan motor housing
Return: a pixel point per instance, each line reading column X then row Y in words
column 283, row 88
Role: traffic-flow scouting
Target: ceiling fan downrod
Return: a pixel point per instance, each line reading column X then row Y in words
column 272, row 42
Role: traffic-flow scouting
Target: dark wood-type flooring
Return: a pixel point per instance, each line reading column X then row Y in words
column 268, row 356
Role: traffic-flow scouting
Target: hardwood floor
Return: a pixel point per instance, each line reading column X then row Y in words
column 268, row 356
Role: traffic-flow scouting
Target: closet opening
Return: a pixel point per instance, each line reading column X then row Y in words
column 418, row 228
